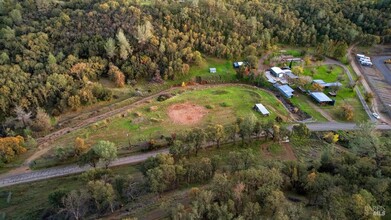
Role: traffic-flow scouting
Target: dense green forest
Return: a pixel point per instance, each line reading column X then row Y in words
column 52, row 53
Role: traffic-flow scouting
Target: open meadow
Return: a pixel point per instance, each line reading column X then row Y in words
column 186, row 108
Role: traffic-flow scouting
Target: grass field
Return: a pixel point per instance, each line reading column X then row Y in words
column 303, row 103
column 223, row 68
column 223, row 104
column 332, row 73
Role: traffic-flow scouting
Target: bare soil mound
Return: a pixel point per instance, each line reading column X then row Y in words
column 186, row 113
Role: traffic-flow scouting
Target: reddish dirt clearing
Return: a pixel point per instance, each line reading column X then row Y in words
column 186, row 113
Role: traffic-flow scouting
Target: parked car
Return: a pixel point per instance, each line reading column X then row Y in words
column 376, row 115
column 387, row 61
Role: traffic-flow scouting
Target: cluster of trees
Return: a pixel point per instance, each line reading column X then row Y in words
column 100, row 154
column 245, row 129
column 339, row 184
column 52, row 54
column 101, row 193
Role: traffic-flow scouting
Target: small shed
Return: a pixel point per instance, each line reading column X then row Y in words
column 238, row 64
column 325, row 84
column 322, row 98
column 261, row 108
column 277, row 72
column 289, row 74
column 212, row 70
column 286, row 90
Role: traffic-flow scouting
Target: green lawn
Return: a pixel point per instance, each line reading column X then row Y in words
column 303, row 102
column 227, row 102
column 293, row 52
column 332, row 73
column 223, row 68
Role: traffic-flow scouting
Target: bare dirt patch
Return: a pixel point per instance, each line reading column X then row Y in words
column 186, row 113
column 285, row 154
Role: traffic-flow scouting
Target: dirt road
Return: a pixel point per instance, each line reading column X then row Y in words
column 74, row 169
column 44, row 142
column 371, row 83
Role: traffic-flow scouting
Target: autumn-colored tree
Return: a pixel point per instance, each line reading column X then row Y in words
column 74, row 102
column 11, row 147
column 317, row 87
column 41, row 121
column 80, row 146
column 298, row 70
column 347, row 112
column 116, row 75
column 331, row 137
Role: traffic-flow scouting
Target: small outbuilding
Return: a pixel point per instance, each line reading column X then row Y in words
column 261, row 108
column 289, row 74
column 325, row 84
column 238, row 64
column 286, row 90
column 277, row 72
column 212, row 70
column 322, row 98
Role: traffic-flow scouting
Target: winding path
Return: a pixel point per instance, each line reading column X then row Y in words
column 44, row 142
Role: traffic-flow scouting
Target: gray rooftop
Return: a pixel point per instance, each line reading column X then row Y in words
column 320, row 97
column 286, row 90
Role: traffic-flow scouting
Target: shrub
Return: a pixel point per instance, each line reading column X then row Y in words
column 224, row 104
column 209, row 106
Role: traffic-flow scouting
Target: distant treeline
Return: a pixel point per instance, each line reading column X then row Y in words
column 52, row 53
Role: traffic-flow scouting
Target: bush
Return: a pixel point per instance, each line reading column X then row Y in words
column 224, row 104
column 55, row 198
column 209, row 106
column 102, row 93
column 96, row 174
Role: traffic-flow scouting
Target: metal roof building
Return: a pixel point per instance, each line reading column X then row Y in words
column 286, row 90
column 325, row 84
column 277, row 72
column 260, row 108
column 212, row 70
column 321, row 98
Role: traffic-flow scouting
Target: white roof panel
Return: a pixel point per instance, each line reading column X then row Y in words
column 262, row 109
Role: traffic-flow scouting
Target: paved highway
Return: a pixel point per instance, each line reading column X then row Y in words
column 74, row 169
column 379, row 63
